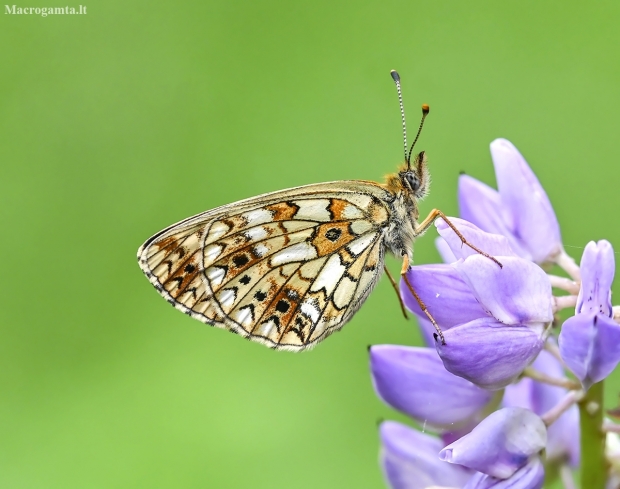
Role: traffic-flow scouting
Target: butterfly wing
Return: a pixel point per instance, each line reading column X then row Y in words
column 284, row 269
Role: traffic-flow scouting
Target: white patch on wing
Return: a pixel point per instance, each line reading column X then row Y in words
column 256, row 234
column 368, row 279
column 361, row 226
column 309, row 309
column 297, row 252
column 360, row 244
column 330, row 275
column 344, row 293
column 257, row 216
column 360, row 200
column 260, row 250
column 216, row 275
column 313, row 210
column 227, row 297
column 352, row 212
column 244, row 316
column 264, row 329
column 218, row 229
column 211, row 252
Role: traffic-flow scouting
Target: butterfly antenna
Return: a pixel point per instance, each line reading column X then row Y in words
column 425, row 111
column 396, row 78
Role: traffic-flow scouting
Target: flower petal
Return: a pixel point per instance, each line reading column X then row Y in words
column 409, row 459
column 445, row 294
column 481, row 205
column 563, row 435
column 530, row 476
column 521, row 193
column 444, row 250
column 597, row 274
column 590, row 346
column 492, row 244
column 414, row 381
column 501, row 444
column 427, row 330
column 488, row 353
column 517, row 293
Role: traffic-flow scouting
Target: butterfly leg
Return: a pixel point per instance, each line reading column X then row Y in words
column 430, row 219
column 395, row 285
column 403, row 274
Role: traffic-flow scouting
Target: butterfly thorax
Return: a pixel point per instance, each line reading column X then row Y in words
column 407, row 186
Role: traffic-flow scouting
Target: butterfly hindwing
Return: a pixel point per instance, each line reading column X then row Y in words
column 284, row 269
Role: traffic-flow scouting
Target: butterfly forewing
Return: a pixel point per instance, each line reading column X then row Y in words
column 284, row 269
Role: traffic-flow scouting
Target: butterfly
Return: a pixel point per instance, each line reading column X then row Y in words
column 289, row 268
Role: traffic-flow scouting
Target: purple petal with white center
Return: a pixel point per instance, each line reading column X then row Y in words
column 501, row 444
column 533, row 218
column 597, row 274
column 445, row 294
column 563, row 435
column 492, row 244
column 409, row 459
column 488, row 353
column 517, row 293
column 590, row 346
column 530, row 476
column 482, row 206
column 414, row 381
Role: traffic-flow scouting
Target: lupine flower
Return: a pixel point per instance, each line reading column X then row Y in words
column 590, row 340
column 409, row 459
column 501, row 444
column 563, row 435
column 400, row 374
column 530, row 476
column 495, row 320
column 520, row 210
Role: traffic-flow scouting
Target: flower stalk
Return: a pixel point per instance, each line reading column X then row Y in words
column 561, row 407
column 548, row 379
column 594, row 465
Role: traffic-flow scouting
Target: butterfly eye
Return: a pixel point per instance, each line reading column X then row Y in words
column 413, row 181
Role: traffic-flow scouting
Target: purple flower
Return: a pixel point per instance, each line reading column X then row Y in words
column 590, row 340
column 563, row 434
column 501, row 444
column 409, row 459
column 495, row 320
column 530, row 476
column 520, row 211
column 414, row 381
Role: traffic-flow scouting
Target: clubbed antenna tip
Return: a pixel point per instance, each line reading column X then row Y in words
column 395, row 75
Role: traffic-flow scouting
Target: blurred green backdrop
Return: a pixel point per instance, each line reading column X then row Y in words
column 117, row 123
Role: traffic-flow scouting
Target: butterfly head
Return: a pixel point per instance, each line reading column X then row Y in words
column 417, row 179
column 412, row 179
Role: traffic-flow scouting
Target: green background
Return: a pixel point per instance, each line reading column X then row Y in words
column 120, row 122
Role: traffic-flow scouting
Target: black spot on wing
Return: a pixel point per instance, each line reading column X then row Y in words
column 333, row 234
column 240, row 260
column 282, row 306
